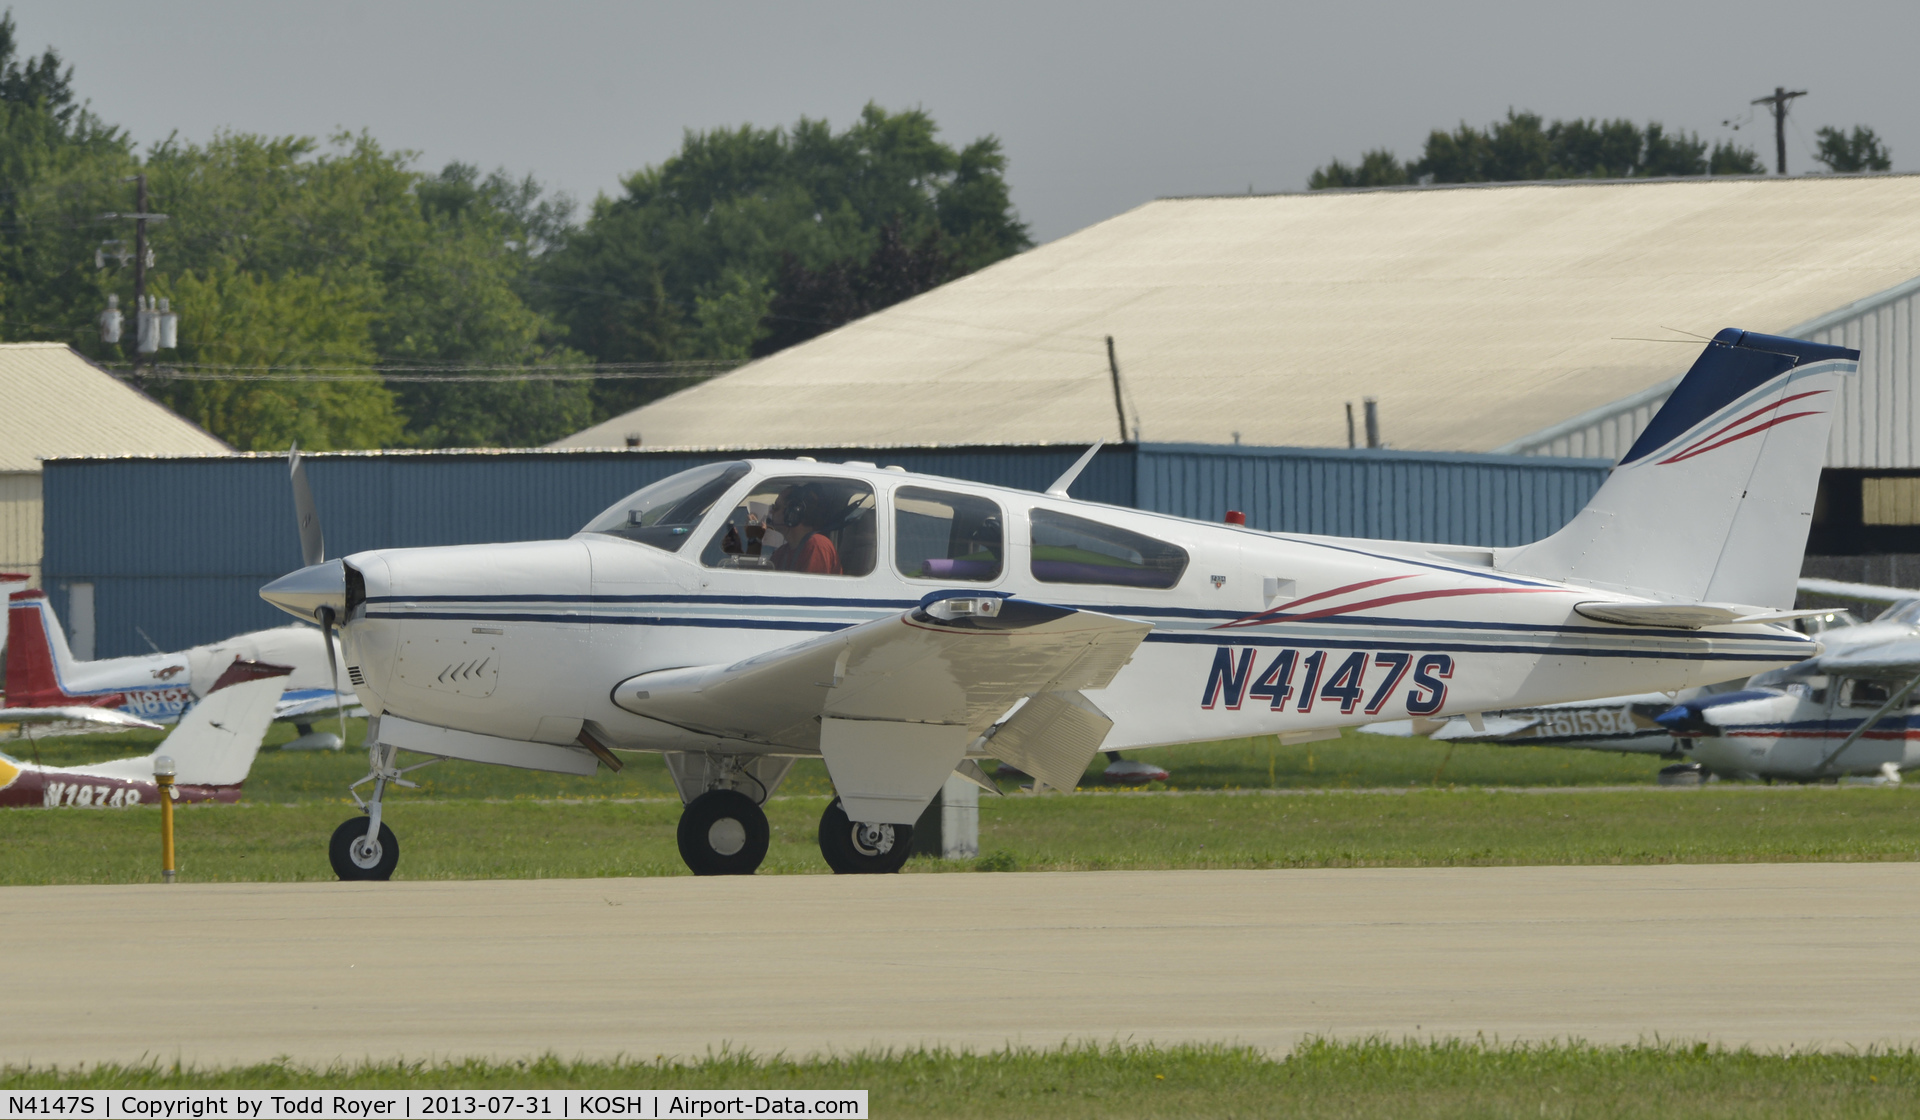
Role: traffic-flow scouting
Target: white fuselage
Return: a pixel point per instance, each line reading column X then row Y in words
column 1262, row 634
column 1793, row 734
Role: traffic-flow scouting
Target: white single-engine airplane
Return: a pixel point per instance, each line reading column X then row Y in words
column 740, row 615
column 43, row 674
column 1849, row 710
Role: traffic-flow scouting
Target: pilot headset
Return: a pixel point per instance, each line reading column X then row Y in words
column 800, row 505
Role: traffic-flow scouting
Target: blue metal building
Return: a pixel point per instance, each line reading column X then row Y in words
column 173, row 551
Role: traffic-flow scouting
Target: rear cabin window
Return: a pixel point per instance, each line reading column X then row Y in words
column 1068, row 549
column 946, row 536
column 815, row 526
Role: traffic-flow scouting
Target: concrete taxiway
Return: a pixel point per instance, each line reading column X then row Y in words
column 1771, row 955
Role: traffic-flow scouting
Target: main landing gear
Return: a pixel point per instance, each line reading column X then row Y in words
column 723, row 830
column 858, row 848
column 363, row 847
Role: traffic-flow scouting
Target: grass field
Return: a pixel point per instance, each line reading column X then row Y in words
column 1322, row 1078
column 1354, row 761
column 473, row 839
column 1242, row 804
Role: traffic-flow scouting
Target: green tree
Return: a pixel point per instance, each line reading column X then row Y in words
column 242, row 324
column 1378, row 168
column 672, row 268
column 1523, row 147
column 1860, row 150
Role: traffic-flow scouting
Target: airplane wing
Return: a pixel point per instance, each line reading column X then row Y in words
column 1894, row 660
column 1859, row 592
column 109, row 718
column 893, row 704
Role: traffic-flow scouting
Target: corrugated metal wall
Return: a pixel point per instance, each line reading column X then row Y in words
column 177, row 549
column 1877, row 423
column 1493, row 500
column 20, row 523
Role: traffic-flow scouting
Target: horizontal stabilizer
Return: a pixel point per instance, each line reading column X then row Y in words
column 1686, row 616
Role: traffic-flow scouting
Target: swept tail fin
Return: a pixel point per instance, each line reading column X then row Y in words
column 215, row 741
column 37, row 656
column 1714, row 500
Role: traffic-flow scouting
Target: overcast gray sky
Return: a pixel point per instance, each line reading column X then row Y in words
column 1100, row 106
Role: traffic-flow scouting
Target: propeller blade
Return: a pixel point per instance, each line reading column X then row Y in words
column 313, row 546
column 333, row 669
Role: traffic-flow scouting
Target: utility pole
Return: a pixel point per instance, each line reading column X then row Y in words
column 1777, row 104
column 147, row 321
column 1120, row 410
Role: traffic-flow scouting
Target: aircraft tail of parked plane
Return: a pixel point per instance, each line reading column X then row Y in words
column 212, row 747
column 43, row 674
column 10, row 582
column 1712, row 503
column 39, row 658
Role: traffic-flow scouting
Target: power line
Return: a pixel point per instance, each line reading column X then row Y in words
column 638, row 371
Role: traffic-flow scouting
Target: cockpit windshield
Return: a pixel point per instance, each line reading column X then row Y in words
column 665, row 514
column 1906, row 610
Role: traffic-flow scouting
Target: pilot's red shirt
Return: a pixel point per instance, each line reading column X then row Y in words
column 816, row 554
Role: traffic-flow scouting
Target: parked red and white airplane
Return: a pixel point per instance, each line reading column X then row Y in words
column 1853, row 709
column 42, row 672
column 740, row 615
column 212, row 747
column 10, row 582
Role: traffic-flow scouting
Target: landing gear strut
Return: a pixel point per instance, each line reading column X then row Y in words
column 363, row 847
column 858, row 848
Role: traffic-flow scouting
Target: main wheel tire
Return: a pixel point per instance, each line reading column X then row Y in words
column 722, row 832
column 855, row 848
column 353, row 858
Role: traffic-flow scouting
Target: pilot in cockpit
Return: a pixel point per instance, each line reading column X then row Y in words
column 798, row 514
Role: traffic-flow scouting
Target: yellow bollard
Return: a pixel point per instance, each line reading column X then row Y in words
column 163, row 777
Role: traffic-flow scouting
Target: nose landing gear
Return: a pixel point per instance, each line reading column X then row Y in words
column 364, row 847
column 859, row 848
column 355, row 857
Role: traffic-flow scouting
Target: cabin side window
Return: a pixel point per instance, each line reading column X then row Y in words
column 946, row 536
column 814, row 526
column 1069, row 549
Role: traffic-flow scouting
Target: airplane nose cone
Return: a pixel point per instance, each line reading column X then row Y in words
column 1682, row 720
column 304, row 592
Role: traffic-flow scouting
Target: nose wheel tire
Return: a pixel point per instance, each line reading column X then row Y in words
column 722, row 832
column 353, row 858
column 857, row 848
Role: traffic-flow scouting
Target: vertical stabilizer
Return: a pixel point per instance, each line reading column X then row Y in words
column 37, row 654
column 216, row 739
column 10, row 582
column 1714, row 500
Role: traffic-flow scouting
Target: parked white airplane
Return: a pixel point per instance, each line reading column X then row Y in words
column 1849, row 710
column 212, row 747
column 741, row 615
column 43, row 674
column 1624, row 724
